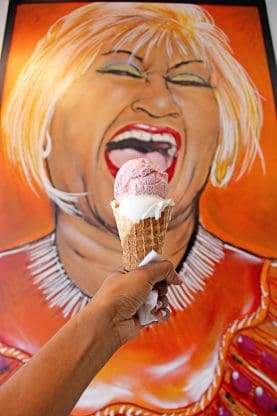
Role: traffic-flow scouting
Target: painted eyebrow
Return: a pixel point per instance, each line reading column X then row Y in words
column 123, row 51
column 185, row 63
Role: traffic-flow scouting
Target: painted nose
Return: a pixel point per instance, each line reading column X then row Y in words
column 156, row 100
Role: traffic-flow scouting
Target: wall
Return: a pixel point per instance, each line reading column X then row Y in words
column 3, row 15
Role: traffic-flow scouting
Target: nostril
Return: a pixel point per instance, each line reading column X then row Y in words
column 135, row 106
column 174, row 115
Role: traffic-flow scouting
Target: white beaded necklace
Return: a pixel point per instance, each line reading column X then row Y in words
column 60, row 291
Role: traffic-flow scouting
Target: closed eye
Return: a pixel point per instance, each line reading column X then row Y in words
column 121, row 69
column 188, row 79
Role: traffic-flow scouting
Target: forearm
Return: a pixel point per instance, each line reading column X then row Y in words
column 53, row 380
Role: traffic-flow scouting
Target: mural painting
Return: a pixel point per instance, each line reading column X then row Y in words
column 89, row 86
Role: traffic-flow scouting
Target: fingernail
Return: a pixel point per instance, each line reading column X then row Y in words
column 178, row 278
column 157, row 307
column 163, row 314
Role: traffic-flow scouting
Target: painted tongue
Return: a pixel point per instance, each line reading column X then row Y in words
column 120, row 156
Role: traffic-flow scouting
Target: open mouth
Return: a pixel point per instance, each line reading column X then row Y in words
column 160, row 145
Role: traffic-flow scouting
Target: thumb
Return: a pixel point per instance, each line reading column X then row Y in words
column 157, row 271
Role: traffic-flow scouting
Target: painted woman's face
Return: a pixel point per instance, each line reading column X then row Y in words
column 127, row 106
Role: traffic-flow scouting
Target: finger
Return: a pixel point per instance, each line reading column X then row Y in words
column 162, row 288
column 155, row 272
column 162, row 303
column 174, row 278
column 119, row 269
column 162, row 315
column 137, row 324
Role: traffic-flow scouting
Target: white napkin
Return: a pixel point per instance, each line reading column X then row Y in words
column 144, row 313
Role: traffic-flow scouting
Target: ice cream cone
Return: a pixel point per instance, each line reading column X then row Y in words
column 139, row 238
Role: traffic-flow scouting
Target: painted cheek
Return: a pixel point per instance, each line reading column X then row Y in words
column 119, row 95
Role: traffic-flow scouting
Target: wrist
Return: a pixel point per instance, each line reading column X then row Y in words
column 98, row 320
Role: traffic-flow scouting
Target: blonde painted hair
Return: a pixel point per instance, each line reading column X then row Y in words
column 71, row 45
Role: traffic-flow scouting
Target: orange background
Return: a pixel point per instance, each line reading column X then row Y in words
column 243, row 214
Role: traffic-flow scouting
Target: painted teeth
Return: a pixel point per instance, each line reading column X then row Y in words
column 171, row 152
column 146, row 136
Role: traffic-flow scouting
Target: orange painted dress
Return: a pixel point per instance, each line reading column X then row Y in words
column 214, row 356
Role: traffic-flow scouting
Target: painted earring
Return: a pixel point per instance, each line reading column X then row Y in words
column 47, row 147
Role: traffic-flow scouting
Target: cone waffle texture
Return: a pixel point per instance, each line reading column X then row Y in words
column 138, row 239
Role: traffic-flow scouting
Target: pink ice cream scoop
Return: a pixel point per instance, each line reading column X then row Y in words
column 140, row 177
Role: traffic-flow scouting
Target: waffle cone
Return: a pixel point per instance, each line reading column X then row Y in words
column 138, row 239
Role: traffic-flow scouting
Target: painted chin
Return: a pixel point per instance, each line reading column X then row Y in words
column 160, row 145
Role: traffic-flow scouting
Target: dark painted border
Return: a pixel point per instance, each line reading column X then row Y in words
column 271, row 59
column 7, row 43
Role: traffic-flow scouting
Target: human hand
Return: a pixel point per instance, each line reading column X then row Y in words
column 123, row 293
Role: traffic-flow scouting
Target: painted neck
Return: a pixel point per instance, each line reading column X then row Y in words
column 89, row 254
